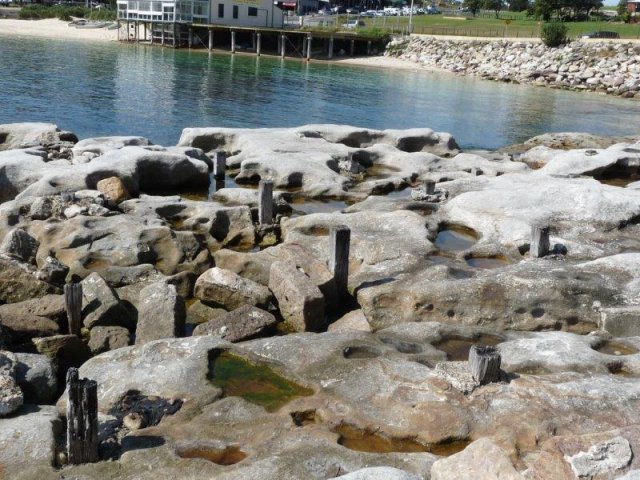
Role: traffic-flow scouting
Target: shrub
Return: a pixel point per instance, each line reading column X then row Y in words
column 554, row 34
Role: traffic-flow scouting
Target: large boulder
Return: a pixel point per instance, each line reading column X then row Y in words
column 19, row 245
column 11, row 397
column 19, row 283
column 241, row 324
column 29, row 440
column 101, row 145
column 301, row 303
column 36, row 376
column 101, row 305
column 225, row 289
column 103, row 339
column 64, row 351
column 161, row 313
column 19, row 135
column 482, row 460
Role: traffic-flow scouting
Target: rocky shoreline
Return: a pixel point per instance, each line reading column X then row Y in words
column 605, row 67
column 223, row 346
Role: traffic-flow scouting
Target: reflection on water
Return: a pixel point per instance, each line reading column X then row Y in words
column 114, row 89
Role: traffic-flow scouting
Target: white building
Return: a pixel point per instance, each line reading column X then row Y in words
column 243, row 13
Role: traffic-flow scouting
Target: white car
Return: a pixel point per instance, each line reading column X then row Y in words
column 353, row 24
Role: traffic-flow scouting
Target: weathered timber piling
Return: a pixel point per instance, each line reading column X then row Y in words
column 539, row 242
column 219, row 164
column 429, row 187
column 73, row 305
column 484, row 363
column 339, row 257
column 265, row 202
column 82, row 419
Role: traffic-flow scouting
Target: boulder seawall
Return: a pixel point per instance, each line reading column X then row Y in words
column 611, row 68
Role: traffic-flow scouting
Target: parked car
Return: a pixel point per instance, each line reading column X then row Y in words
column 600, row 34
column 353, row 24
column 353, row 11
column 325, row 12
column 432, row 10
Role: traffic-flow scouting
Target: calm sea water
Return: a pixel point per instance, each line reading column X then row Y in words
column 115, row 89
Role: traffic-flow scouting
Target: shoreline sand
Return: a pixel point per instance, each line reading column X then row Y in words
column 52, row 28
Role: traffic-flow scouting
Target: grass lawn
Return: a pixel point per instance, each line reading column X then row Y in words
column 489, row 26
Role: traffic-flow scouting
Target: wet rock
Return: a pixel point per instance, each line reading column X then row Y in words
column 100, row 304
column 28, row 440
column 354, row 320
column 161, row 313
column 241, row 324
column 11, row 398
column 36, row 376
column 155, row 368
column 113, row 189
column 103, row 339
column 18, row 283
column 225, row 289
column 19, row 245
column 300, row 302
column 483, row 459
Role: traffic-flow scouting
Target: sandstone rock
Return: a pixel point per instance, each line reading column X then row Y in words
column 28, row 440
column 11, row 398
column 300, row 302
column 161, row 313
column 53, row 271
column 155, row 368
column 18, row 283
column 103, row 339
column 36, row 376
column 606, row 457
column 49, row 306
column 376, row 473
column 17, row 135
column 8, row 363
column 101, row 145
column 113, row 189
column 20, row 245
column 65, row 351
column 198, row 313
column 482, row 460
column 620, row 321
column 354, row 320
column 100, row 304
column 224, row 288
column 23, row 327
column 241, row 324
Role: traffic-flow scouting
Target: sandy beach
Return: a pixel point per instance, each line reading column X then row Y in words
column 54, row 28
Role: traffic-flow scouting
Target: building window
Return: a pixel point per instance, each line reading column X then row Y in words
column 235, row 11
column 253, row 12
column 221, row 10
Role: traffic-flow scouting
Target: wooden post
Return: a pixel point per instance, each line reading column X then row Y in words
column 308, row 49
column 369, row 47
column 151, row 37
column 219, row 164
column 82, row 419
column 162, row 34
column 190, row 37
column 304, row 46
column 253, row 41
column 484, row 363
column 175, row 40
column 73, row 305
column 339, row 257
column 233, row 41
column 429, row 187
column 258, row 43
column 210, row 39
column 265, row 206
column 118, row 30
column 539, row 242
column 330, row 54
column 353, row 47
column 283, row 46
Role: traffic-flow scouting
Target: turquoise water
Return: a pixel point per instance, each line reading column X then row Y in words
column 116, row 89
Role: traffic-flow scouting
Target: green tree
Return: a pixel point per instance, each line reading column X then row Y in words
column 519, row 5
column 546, row 8
column 554, row 34
column 622, row 7
column 495, row 5
column 474, row 6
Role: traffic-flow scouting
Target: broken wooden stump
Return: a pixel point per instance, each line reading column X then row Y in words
column 219, row 164
column 429, row 187
column 82, row 419
column 339, row 257
column 265, row 202
column 73, row 306
column 539, row 242
column 484, row 363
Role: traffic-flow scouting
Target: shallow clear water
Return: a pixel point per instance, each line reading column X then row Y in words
column 117, row 89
